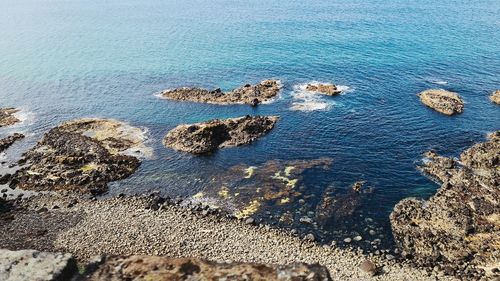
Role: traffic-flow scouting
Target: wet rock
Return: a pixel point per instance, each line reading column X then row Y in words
column 327, row 89
column 250, row 221
column 442, row 101
column 7, row 117
column 164, row 268
column 310, row 237
column 347, row 240
column 368, row 267
column 495, row 97
column 358, row 238
column 336, row 206
column 356, row 187
column 460, row 223
column 248, row 94
column 10, row 140
column 209, row 136
column 80, row 156
column 34, row 265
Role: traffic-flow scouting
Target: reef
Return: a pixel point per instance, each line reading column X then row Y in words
column 459, row 226
column 247, row 94
column 7, row 117
column 446, row 102
column 6, row 142
column 80, row 156
column 327, row 89
column 495, row 97
column 209, row 136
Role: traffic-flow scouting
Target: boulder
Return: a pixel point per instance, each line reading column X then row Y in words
column 327, row 89
column 209, row 136
column 7, row 117
column 446, row 102
column 10, row 140
column 495, row 97
column 247, row 94
column 461, row 222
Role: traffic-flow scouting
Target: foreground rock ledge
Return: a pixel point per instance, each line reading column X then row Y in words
column 81, row 155
column 208, row 136
column 248, row 94
column 327, row 88
column 495, row 97
column 7, row 117
column 460, row 224
column 446, row 102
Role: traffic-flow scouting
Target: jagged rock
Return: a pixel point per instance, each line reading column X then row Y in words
column 327, row 89
column 82, row 155
column 495, row 97
column 122, row 268
column 461, row 222
column 248, row 94
column 10, row 140
column 208, row 136
column 33, row 265
column 7, row 117
column 442, row 101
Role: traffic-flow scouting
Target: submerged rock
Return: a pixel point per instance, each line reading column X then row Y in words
column 248, row 94
column 336, row 207
column 495, row 97
column 442, row 101
column 461, row 222
column 82, row 155
column 10, row 140
column 209, row 136
column 7, row 117
column 165, row 268
column 327, row 89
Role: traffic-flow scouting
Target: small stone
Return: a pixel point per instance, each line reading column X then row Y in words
column 372, row 232
column 250, row 221
column 348, row 240
column 369, row 268
column 358, row 238
column 305, row 220
column 310, row 237
column 389, row 257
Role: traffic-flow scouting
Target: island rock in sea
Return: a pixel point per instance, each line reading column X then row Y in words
column 461, row 222
column 248, row 94
column 495, row 97
column 7, row 117
column 82, row 156
column 442, row 101
column 208, row 136
column 327, row 89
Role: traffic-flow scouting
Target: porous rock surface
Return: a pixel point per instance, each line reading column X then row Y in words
column 460, row 225
column 327, row 89
column 495, row 97
column 247, row 94
column 446, row 102
column 7, row 117
column 208, row 136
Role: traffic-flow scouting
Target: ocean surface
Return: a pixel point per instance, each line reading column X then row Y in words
column 61, row 60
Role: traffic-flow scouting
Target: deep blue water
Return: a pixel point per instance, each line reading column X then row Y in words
column 61, row 60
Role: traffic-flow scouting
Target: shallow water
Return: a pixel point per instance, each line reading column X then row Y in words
column 62, row 60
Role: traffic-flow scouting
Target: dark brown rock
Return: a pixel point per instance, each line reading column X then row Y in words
column 10, row 140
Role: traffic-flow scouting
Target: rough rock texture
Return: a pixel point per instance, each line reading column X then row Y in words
column 495, row 97
column 460, row 224
column 82, row 155
column 121, row 268
column 208, row 136
column 10, row 140
column 33, row 265
column 7, row 117
column 248, row 94
column 442, row 101
column 327, row 89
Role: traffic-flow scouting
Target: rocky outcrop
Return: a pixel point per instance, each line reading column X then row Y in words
column 446, row 102
column 327, row 89
column 82, row 155
column 495, row 97
column 10, row 140
column 208, row 136
column 460, row 225
column 121, row 268
column 248, row 94
column 7, row 117
column 27, row 265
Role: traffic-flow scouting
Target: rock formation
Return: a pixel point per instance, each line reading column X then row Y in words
column 82, row 155
column 460, row 225
column 208, row 136
column 248, row 94
column 495, row 97
column 7, row 117
column 10, row 140
column 327, row 89
column 442, row 101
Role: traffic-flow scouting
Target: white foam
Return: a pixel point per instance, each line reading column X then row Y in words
column 438, row 82
column 307, row 101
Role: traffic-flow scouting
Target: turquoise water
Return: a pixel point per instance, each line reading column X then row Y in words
column 62, row 60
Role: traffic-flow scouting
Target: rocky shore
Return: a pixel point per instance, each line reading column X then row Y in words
column 446, row 102
column 495, row 97
column 247, row 94
column 9, row 140
column 7, row 117
column 458, row 228
column 209, row 136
